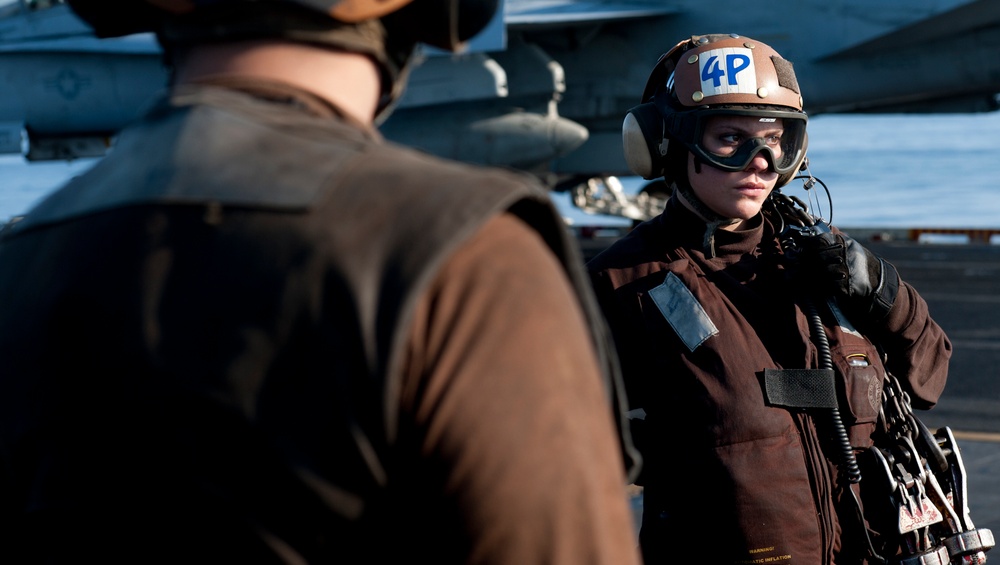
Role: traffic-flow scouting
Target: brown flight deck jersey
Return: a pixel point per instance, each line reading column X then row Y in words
column 256, row 335
column 731, row 476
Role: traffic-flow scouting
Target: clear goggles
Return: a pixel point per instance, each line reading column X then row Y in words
column 785, row 154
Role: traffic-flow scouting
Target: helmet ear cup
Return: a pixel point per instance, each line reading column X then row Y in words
column 114, row 18
column 444, row 24
column 643, row 141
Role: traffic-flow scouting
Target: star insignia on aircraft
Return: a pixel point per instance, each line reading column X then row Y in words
column 68, row 83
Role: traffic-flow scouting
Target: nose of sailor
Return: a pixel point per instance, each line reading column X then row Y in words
column 758, row 164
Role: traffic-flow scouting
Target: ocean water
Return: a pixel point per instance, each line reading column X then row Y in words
column 896, row 171
column 909, row 170
column 882, row 170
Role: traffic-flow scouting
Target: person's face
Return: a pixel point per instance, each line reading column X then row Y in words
column 741, row 194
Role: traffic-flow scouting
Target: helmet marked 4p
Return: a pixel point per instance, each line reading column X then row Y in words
column 713, row 75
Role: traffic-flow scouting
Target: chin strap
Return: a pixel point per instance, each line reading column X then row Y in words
column 713, row 221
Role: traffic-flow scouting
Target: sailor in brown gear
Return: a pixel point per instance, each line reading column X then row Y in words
column 258, row 333
column 713, row 325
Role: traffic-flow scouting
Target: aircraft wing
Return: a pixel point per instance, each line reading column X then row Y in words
column 959, row 22
column 945, row 61
column 545, row 88
column 523, row 14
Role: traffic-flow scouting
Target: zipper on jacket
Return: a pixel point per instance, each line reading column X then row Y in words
column 819, row 468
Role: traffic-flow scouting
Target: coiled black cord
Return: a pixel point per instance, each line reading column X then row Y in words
column 849, row 463
column 792, row 213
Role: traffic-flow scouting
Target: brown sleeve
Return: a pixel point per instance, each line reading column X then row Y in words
column 917, row 349
column 505, row 389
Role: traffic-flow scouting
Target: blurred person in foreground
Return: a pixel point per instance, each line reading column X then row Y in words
column 258, row 333
column 724, row 365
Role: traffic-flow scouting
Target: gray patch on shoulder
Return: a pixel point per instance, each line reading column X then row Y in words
column 683, row 312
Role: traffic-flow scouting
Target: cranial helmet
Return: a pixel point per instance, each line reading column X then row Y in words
column 386, row 30
column 707, row 76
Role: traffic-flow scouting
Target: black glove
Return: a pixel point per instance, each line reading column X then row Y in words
column 836, row 265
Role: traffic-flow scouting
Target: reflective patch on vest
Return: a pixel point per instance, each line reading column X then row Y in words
column 842, row 320
column 683, row 312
